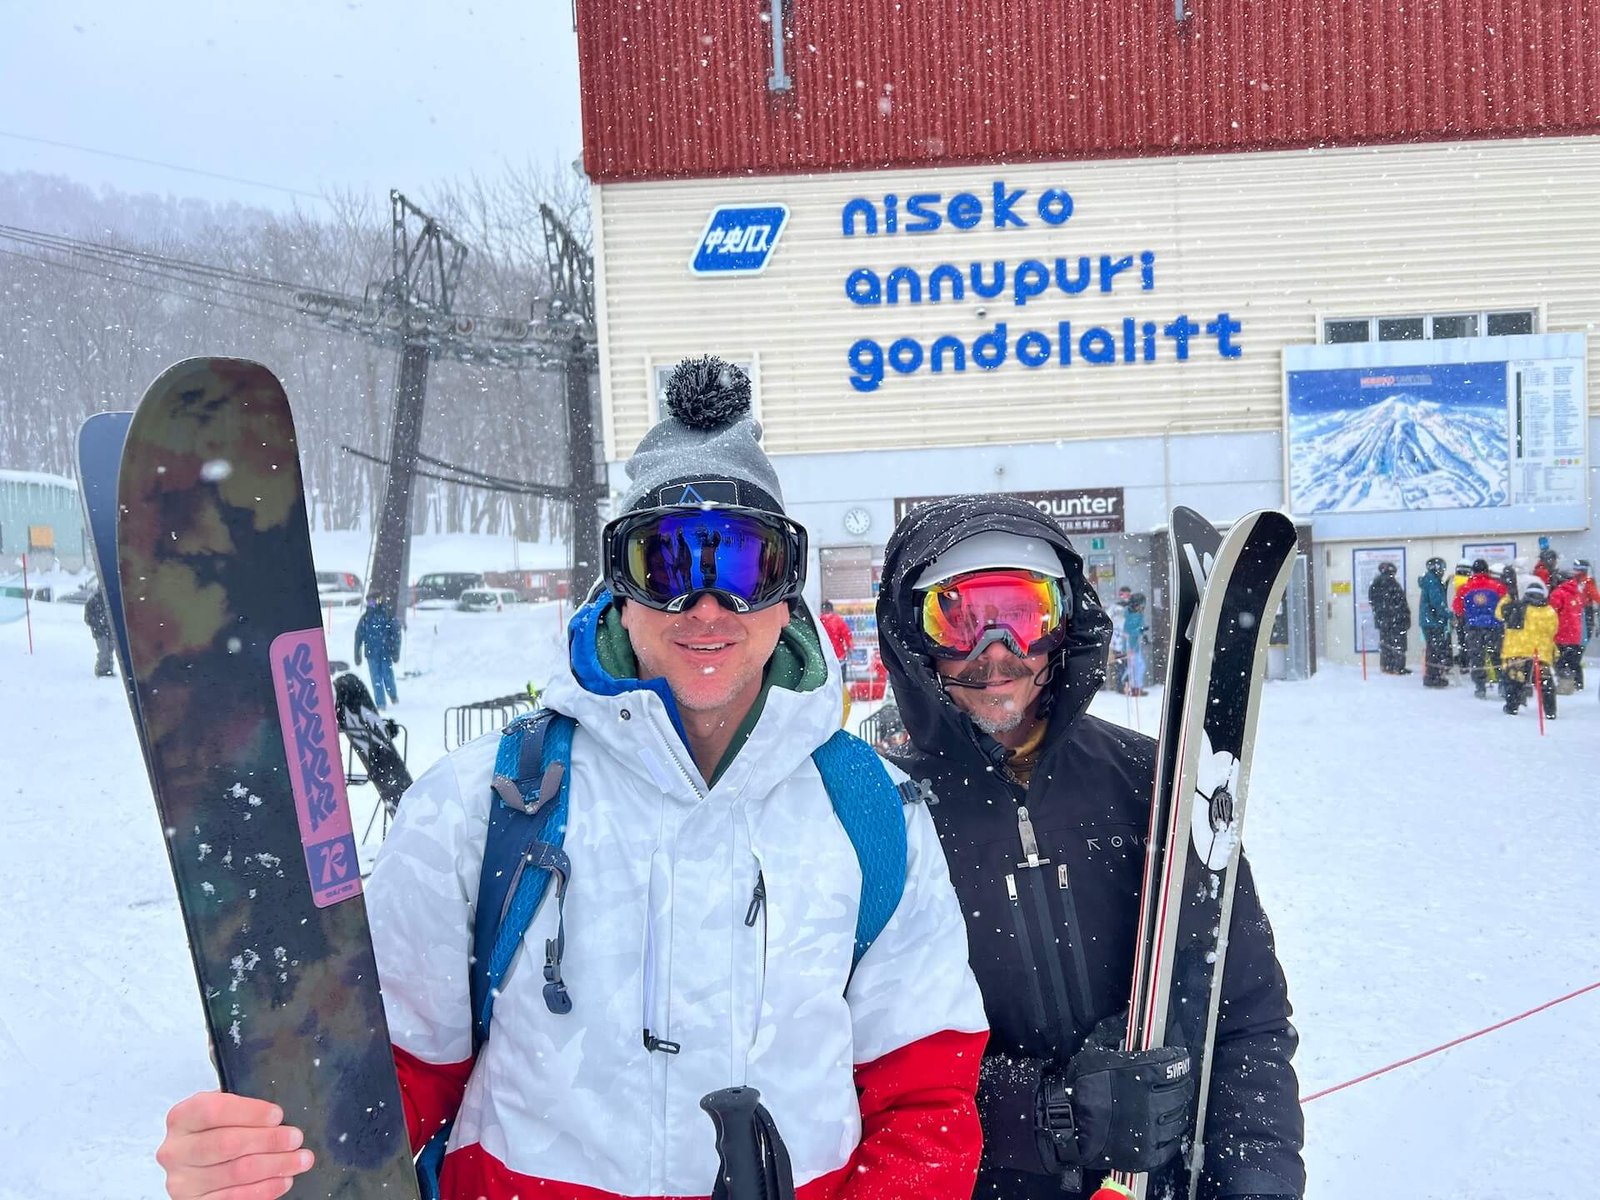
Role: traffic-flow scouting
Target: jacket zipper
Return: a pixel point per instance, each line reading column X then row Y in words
column 758, row 911
column 652, row 1041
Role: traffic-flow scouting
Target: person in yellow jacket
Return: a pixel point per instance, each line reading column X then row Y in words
column 1530, row 646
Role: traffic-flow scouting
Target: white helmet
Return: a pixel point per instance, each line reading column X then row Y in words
column 989, row 551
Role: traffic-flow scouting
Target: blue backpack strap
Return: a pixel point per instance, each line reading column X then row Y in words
column 868, row 805
column 522, row 851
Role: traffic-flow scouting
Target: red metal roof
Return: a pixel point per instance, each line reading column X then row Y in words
column 679, row 87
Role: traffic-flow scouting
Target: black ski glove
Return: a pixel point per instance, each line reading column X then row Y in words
column 1114, row 1109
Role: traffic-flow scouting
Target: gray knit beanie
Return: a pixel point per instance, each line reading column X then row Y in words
column 708, row 449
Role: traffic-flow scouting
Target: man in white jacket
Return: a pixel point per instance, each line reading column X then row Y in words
column 712, row 901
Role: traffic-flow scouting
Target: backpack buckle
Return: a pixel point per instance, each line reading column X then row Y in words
column 556, row 998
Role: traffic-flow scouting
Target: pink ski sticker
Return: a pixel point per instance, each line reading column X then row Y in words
column 311, row 740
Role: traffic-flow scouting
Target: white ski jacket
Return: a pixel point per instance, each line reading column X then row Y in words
column 869, row 1076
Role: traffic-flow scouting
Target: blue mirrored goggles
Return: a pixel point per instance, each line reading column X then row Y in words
column 667, row 558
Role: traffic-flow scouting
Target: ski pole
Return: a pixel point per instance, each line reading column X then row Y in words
column 1363, row 663
column 752, row 1161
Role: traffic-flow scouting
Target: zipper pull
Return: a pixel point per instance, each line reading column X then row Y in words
column 1061, row 876
column 1011, row 887
column 653, row 1043
column 1030, row 844
column 756, row 897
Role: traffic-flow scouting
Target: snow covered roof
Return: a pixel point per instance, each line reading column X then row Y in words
column 41, row 478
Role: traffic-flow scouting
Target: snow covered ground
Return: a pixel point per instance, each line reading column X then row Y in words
column 1427, row 862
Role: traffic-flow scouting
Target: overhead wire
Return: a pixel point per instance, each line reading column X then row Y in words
column 116, row 261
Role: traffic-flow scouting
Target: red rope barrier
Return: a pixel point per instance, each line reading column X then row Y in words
column 1405, row 1062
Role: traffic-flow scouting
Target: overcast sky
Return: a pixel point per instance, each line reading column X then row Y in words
column 285, row 98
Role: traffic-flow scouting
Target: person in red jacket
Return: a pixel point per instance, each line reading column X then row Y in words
column 1590, row 594
column 1566, row 601
column 1545, row 568
column 838, row 631
column 1475, row 603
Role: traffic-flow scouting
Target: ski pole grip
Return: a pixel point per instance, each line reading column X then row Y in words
column 740, row 1172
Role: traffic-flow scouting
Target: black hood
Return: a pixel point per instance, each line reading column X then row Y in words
column 936, row 725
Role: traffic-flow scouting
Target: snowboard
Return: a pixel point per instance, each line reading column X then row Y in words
column 100, row 441
column 236, row 716
column 1225, row 593
column 372, row 737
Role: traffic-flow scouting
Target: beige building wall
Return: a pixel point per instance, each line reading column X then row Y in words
column 1278, row 241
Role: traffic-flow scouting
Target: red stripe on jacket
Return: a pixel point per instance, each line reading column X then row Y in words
column 920, row 1137
column 430, row 1093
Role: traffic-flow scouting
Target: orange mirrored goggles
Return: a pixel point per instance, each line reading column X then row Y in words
column 1025, row 611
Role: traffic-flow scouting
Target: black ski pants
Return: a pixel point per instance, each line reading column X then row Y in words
column 1392, row 651
column 1518, row 685
column 102, row 654
column 1436, row 656
column 1569, row 663
column 1483, row 648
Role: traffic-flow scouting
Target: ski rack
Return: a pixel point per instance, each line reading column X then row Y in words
column 464, row 722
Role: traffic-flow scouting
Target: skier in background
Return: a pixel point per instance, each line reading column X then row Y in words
column 1590, row 595
column 1118, row 670
column 1546, row 566
column 1529, row 649
column 98, row 618
column 1462, row 574
column 1434, row 616
column 1391, row 613
column 1042, row 810
column 1475, row 604
column 838, row 631
column 378, row 634
column 1135, row 631
column 1566, row 601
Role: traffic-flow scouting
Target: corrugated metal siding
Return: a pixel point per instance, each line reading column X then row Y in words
column 679, row 88
column 1278, row 239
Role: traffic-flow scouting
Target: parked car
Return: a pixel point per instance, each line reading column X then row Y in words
column 81, row 593
column 338, row 588
column 487, row 599
column 444, row 585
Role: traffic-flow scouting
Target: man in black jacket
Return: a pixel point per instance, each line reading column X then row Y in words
column 995, row 644
column 1391, row 613
column 97, row 617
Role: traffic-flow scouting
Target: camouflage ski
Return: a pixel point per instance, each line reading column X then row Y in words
column 230, row 675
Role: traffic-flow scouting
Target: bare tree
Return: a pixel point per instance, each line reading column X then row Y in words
column 80, row 334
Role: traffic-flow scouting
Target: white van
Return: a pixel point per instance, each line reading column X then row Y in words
column 487, row 599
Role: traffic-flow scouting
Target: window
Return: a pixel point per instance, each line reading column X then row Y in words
column 1335, row 333
column 1459, row 325
column 1340, row 330
column 1400, row 329
column 660, row 373
column 1503, row 324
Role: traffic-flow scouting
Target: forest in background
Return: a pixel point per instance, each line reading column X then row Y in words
column 78, row 335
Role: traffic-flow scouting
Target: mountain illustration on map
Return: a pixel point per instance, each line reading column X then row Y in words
column 1402, row 453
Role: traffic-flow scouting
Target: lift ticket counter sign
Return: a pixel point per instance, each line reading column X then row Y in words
column 739, row 240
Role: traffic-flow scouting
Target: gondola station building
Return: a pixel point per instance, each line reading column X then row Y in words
column 1337, row 258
